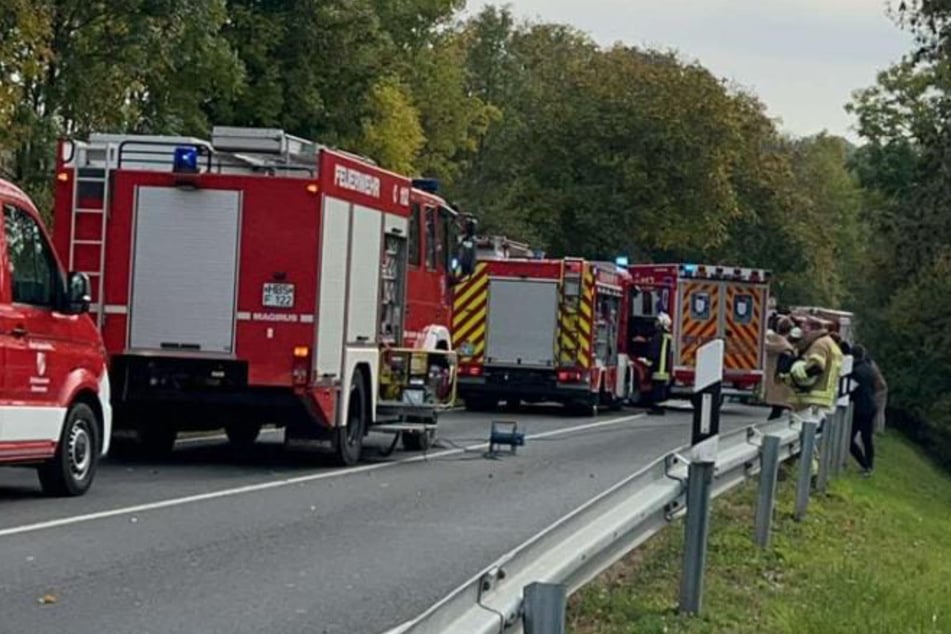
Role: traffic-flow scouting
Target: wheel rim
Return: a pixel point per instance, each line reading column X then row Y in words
column 79, row 450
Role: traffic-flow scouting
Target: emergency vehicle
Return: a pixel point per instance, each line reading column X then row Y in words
column 258, row 277
column 541, row 330
column 704, row 302
column 54, row 390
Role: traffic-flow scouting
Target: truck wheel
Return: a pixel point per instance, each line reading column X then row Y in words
column 156, row 439
column 72, row 469
column 242, row 436
column 480, row 404
column 348, row 441
column 419, row 441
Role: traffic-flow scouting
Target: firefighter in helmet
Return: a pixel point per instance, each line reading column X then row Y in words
column 814, row 375
column 659, row 359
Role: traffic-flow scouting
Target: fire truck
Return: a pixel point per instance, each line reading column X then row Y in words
column 538, row 330
column 705, row 302
column 257, row 278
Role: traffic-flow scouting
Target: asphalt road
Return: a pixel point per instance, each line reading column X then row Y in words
column 213, row 541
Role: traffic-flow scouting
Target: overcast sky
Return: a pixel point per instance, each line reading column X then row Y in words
column 803, row 58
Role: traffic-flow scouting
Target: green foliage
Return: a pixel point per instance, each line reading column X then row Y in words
column 864, row 560
column 392, row 132
column 905, row 168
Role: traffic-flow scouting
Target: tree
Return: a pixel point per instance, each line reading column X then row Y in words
column 392, row 133
column 94, row 65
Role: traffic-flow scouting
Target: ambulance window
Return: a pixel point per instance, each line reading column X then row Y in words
column 414, row 235
column 33, row 270
column 431, row 255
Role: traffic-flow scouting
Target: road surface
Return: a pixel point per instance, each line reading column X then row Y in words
column 214, row 541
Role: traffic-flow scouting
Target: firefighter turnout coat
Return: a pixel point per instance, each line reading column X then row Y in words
column 815, row 376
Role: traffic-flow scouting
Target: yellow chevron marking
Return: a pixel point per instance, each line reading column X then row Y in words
column 469, row 296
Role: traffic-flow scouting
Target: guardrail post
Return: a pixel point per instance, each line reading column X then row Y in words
column 704, row 438
column 825, row 453
column 699, row 483
column 545, row 605
column 847, row 440
column 835, row 447
column 807, row 449
column 765, row 501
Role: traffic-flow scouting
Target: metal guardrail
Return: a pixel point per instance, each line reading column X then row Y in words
column 586, row 542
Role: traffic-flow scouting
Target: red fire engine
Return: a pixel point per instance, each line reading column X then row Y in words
column 704, row 303
column 260, row 278
column 541, row 330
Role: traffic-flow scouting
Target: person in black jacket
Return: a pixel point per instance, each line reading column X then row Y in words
column 863, row 404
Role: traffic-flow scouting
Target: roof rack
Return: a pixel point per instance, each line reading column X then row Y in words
column 231, row 150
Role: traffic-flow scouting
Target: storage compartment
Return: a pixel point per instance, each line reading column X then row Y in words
column 521, row 322
column 184, row 276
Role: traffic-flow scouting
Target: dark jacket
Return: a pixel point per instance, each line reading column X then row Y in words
column 863, row 396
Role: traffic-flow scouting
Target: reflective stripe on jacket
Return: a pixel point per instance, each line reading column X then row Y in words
column 661, row 357
column 823, row 353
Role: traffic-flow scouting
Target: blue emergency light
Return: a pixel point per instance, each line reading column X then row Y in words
column 622, row 260
column 690, row 269
column 185, row 160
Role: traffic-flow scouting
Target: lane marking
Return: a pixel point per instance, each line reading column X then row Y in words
column 264, row 486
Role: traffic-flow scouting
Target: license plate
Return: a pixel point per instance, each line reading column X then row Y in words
column 278, row 296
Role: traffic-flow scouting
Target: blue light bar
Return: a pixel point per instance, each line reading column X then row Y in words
column 185, row 160
column 622, row 260
column 690, row 268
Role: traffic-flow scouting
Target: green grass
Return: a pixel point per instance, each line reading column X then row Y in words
column 872, row 556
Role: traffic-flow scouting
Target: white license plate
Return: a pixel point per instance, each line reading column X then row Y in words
column 278, row 296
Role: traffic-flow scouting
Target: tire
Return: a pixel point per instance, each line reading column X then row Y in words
column 480, row 404
column 156, row 440
column 242, row 436
column 348, row 440
column 418, row 441
column 71, row 471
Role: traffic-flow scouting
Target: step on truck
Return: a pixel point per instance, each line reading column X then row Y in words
column 260, row 278
column 541, row 330
column 704, row 302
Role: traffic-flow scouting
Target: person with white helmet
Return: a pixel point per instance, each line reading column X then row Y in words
column 659, row 360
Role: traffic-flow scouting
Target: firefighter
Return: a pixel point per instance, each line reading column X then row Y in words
column 814, row 376
column 659, row 359
column 778, row 348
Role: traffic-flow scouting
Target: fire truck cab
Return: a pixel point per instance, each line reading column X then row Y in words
column 257, row 278
column 704, row 302
column 541, row 330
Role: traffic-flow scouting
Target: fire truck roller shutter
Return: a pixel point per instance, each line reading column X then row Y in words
column 185, row 263
column 365, row 254
column 522, row 322
column 333, row 286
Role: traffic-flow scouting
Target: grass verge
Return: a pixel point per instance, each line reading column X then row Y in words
column 873, row 555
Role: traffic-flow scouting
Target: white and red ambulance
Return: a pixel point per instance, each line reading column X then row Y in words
column 54, row 384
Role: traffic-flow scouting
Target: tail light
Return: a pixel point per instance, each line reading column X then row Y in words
column 300, row 368
column 571, row 375
column 470, row 369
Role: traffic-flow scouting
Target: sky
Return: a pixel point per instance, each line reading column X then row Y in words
column 803, row 58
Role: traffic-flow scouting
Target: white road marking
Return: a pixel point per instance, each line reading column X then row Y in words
column 264, row 486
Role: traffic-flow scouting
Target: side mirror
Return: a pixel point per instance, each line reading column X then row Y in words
column 78, row 293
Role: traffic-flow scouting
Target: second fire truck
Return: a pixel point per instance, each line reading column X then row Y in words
column 531, row 330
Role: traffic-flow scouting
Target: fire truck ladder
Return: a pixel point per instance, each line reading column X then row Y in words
column 98, row 178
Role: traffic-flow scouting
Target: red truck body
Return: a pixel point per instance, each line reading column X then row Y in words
column 255, row 278
column 541, row 330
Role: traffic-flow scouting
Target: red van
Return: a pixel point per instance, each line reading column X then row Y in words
column 54, row 384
